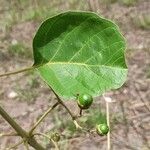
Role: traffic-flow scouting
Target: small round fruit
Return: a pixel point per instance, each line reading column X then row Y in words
column 84, row 101
column 102, row 129
column 55, row 137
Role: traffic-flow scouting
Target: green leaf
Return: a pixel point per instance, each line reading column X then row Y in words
column 78, row 53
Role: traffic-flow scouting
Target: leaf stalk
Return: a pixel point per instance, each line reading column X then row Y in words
column 18, row 71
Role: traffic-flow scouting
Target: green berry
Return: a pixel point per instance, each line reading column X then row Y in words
column 84, row 101
column 55, row 137
column 102, row 129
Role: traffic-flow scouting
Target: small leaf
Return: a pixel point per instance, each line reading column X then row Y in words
column 78, row 53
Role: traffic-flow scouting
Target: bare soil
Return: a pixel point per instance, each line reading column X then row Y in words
column 132, row 101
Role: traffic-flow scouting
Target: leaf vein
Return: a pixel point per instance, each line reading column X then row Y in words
column 90, row 40
column 104, row 49
column 67, row 36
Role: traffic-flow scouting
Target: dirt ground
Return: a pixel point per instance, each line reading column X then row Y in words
column 25, row 96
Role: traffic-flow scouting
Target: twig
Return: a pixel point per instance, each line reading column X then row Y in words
column 107, row 101
column 68, row 110
column 55, row 143
column 42, row 117
column 16, row 72
column 77, row 125
column 63, row 104
column 26, row 145
column 21, row 132
column 8, row 134
column 16, row 145
column 108, row 123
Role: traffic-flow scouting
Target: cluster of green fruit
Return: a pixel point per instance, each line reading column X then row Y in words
column 84, row 102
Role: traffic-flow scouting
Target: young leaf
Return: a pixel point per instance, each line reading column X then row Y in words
column 78, row 53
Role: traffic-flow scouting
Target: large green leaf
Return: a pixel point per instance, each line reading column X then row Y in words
column 80, row 52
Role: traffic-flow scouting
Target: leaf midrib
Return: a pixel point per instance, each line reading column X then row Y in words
column 79, row 64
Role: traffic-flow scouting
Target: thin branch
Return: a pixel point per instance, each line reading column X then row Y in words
column 8, row 134
column 42, row 117
column 32, row 142
column 77, row 125
column 68, row 110
column 55, row 143
column 70, row 113
column 18, row 71
column 48, row 137
column 21, row 132
column 108, row 123
column 26, row 145
column 107, row 101
column 15, row 146
column 64, row 105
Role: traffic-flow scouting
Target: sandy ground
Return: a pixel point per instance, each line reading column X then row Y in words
column 132, row 106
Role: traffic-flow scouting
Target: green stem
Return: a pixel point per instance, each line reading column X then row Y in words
column 63, row 104
column 68, row 110
column 21, row 132
column 108, row 123
column 43, row 116
column 18, row 71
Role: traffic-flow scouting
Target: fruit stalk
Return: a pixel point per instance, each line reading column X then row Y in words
column 43, row 116
column 108, row 123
